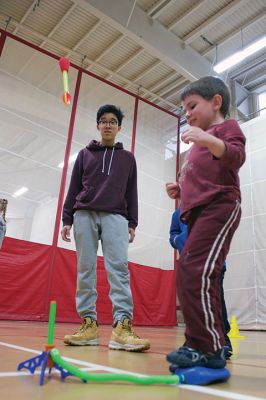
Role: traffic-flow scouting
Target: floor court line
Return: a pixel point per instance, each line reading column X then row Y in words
column 27, row 373
column 74, row 361
column 199, row 389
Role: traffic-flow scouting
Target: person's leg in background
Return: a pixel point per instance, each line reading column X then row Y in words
column 114, row 237
column 227, row 343
column 86, row 233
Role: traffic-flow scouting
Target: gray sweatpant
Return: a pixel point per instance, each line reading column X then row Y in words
column 112, row 230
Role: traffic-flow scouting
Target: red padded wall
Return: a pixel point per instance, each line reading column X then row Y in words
column 24, row 270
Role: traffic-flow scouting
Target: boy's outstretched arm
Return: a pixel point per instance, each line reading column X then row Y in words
column 201, row 138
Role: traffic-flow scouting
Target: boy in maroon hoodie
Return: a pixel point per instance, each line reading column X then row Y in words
column 210, row 196
column 102, row 204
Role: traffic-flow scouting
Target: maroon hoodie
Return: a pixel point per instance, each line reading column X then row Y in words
column 103, row 179
column 204, row 176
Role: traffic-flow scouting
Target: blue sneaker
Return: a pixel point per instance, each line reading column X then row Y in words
column 185, row 357
column 173, row 368
column 228, row 350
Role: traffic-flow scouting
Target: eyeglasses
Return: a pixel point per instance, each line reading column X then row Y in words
column 113, row 122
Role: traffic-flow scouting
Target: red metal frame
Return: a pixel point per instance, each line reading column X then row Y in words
column 4, row 35
column 134, row 128
column 2, row 40
column 177, row 172
column 178, row 150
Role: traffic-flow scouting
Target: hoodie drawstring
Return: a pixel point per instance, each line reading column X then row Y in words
column 103, row 160
column 110, row 163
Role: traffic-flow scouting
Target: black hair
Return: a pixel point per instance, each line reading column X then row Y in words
column 110, row 108
column 207, row 87
column 3, row 205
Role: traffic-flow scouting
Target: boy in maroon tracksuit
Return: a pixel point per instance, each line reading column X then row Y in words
column 210, row 205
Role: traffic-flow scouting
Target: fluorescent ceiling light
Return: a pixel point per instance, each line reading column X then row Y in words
column 240, row 55
column 71, row 159
column 20, row 191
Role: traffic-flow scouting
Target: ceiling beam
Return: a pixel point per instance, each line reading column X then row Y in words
column 164, row 81
column 155, row 7
column 147, row 71
column 176, row 91
column 130, row 59
column 174, row 85
column 110, row 47
column 156, row 10
column 187, row 14
column 253, row 78
column 125, row 63
column 49, row 35
column 59, row 23
column 87, row 34
column 149, row 34
column 79, row 42
column 247, row 66
column 212, row 21
column 29, row 10
column 237, row 31
column 261, row 88
column 144, row 72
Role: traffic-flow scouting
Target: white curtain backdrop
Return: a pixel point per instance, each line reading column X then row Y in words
column 245, row 279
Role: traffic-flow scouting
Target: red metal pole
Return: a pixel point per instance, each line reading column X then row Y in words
column 177, row 172
column 2, row 41
column 176, row 202
column 62, row 191
column 134, row 129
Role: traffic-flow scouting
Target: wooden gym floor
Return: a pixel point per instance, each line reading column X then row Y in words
column 20, row 341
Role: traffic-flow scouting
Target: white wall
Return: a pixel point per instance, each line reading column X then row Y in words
column 245, row 279
column 43, row 222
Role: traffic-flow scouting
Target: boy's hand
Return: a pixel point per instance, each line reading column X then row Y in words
column 173, row 190
column 197, row 136
column 204, row 139
column 65, row 233
column 131, row 232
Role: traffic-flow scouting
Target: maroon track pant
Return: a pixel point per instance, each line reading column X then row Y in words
column 210, row 231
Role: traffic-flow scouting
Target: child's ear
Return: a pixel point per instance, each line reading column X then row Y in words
column 217, row 102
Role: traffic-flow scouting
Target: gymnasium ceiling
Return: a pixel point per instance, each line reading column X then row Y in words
column 150, row 47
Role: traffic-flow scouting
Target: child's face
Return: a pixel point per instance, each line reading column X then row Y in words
column 108, row 128
column 200, row 112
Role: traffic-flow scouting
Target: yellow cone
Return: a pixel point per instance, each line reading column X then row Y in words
column 234, row 331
